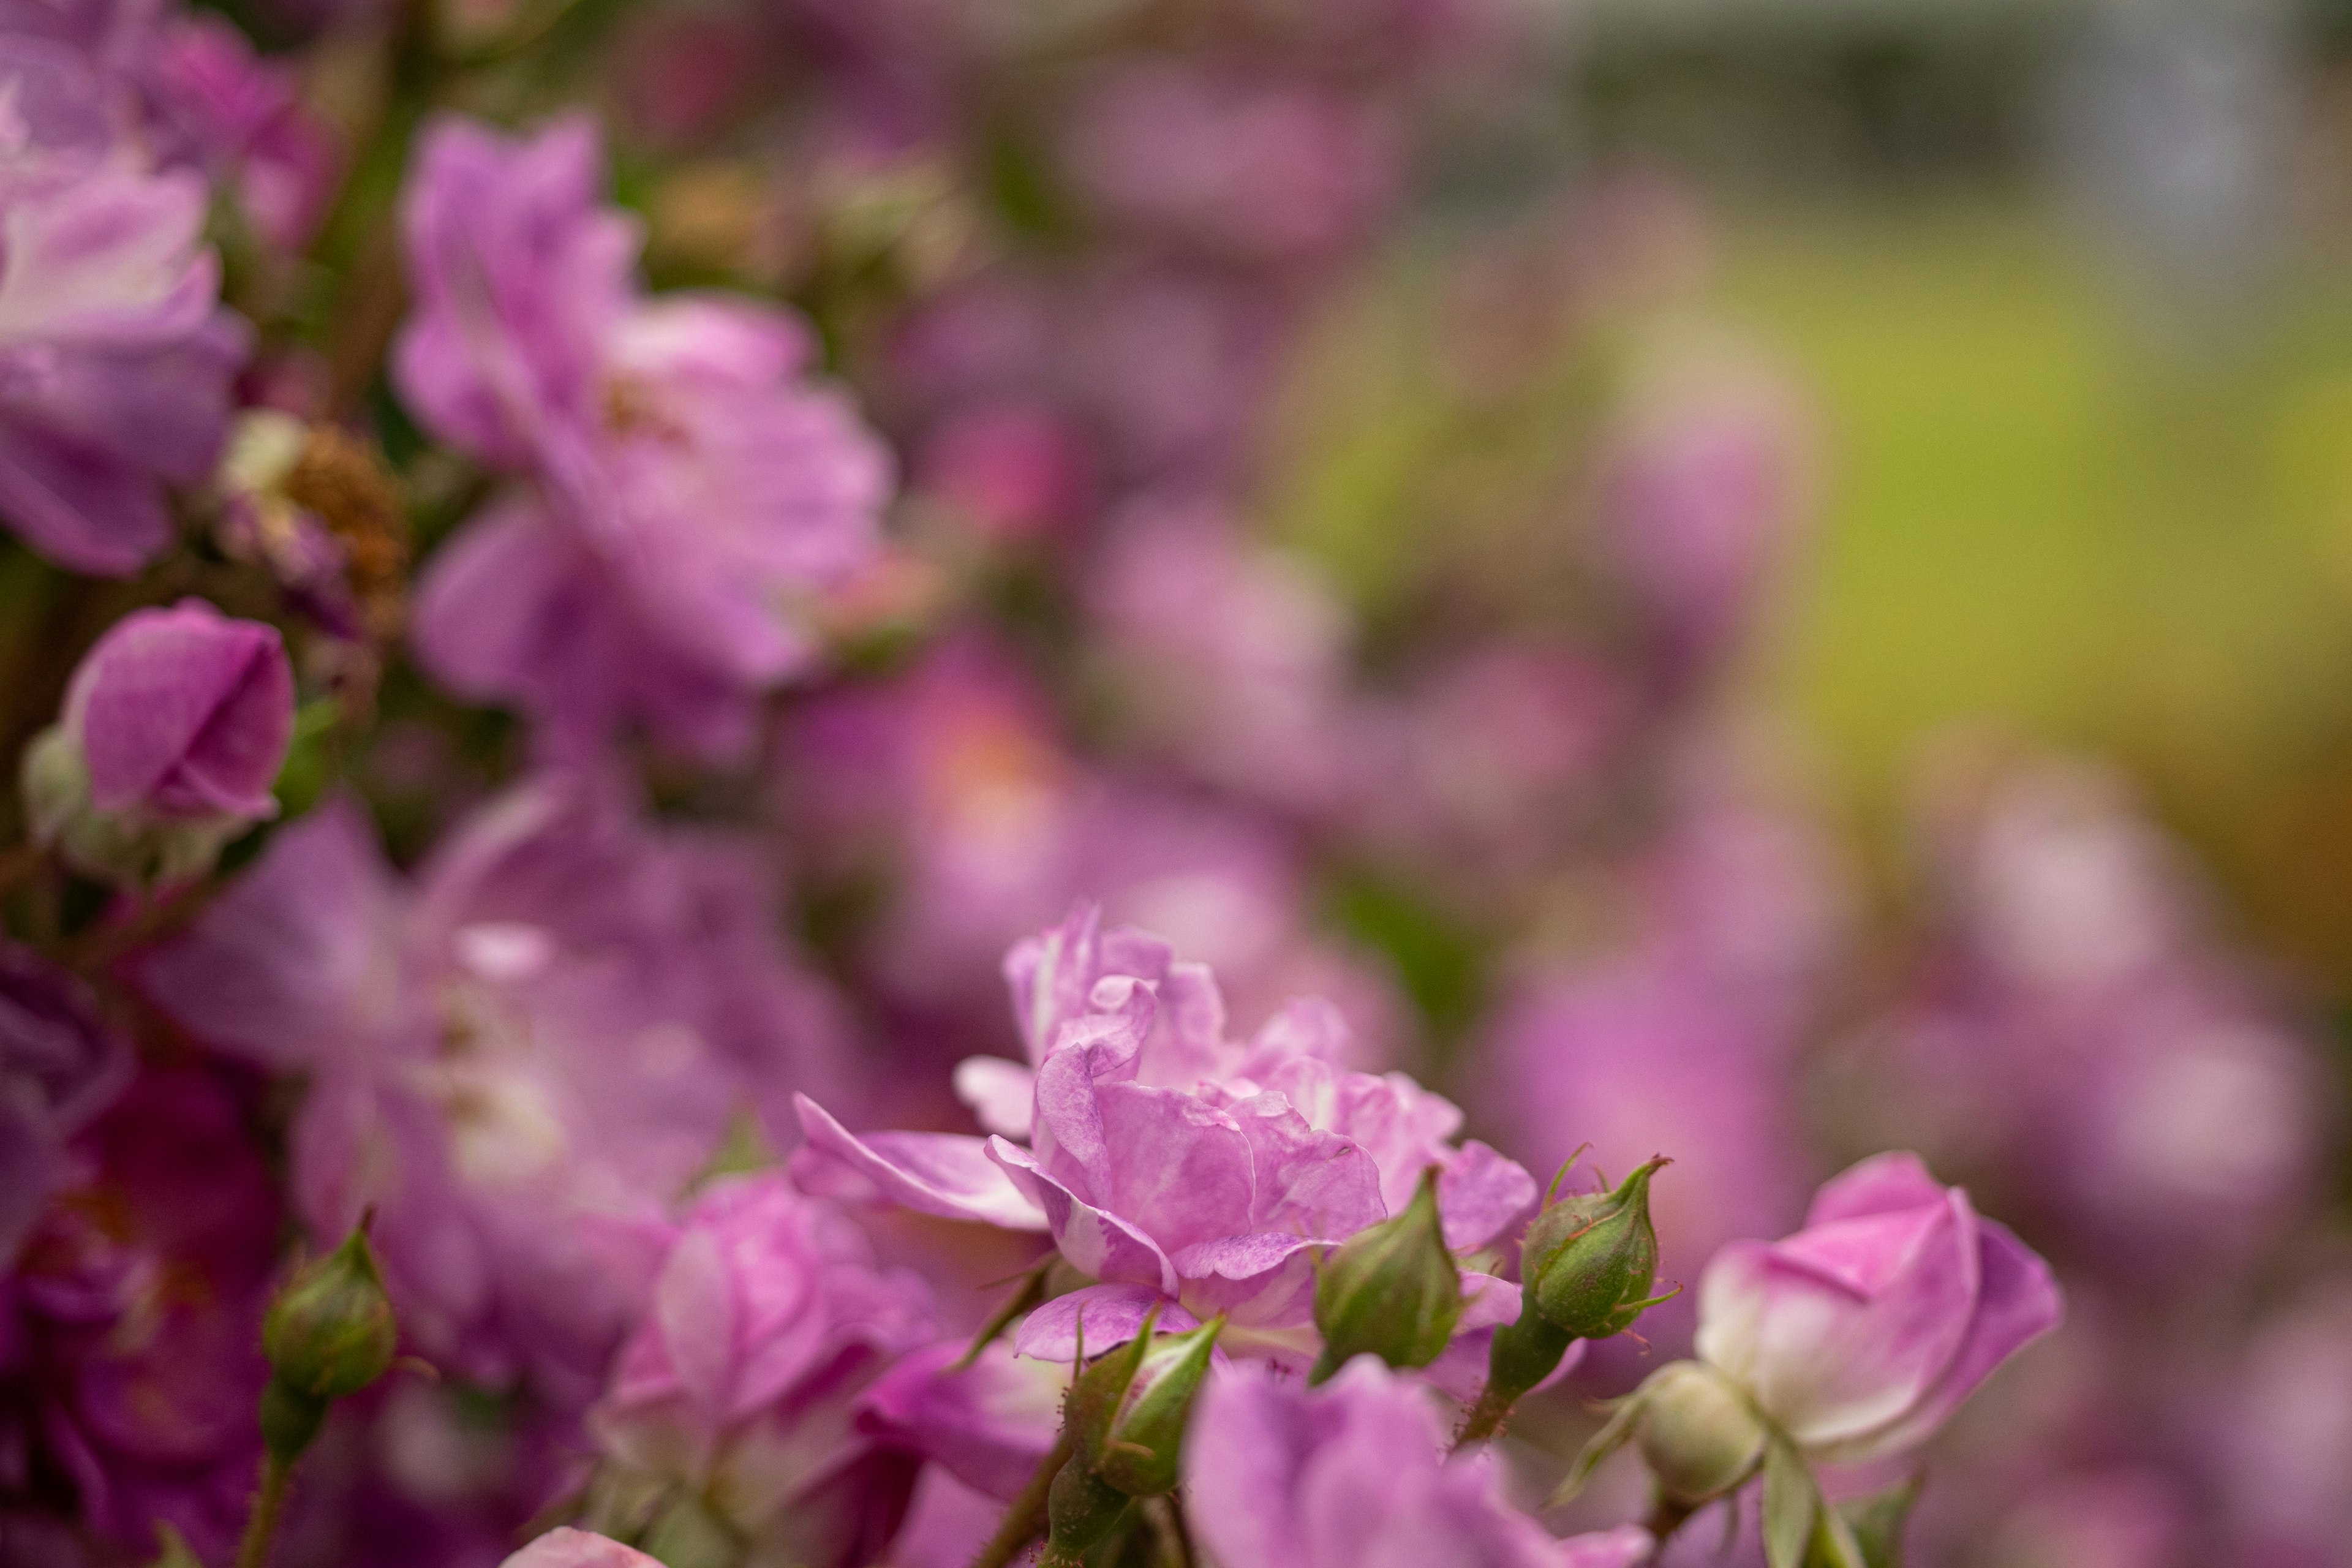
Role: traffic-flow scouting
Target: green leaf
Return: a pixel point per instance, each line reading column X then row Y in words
column 1605, row 1442
column 1790, row 1502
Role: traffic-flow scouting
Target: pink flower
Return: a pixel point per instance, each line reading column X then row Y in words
column 690, row 490
column 1171, row 1163
column 578, row 1549
column 183, row 713
column 989, row 1424
column 61, row 1065
column 1266, row 171
column 242, row 121
column 1351, row 1475
column 1861, row 1333
column 520, row 1058
column 115, row 360
column 769, row 1316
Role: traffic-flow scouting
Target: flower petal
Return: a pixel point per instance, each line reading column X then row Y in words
column 931, row 1172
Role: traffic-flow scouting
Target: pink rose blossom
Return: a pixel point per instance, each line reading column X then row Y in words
column 1169, row 1162
column 1861, row 1333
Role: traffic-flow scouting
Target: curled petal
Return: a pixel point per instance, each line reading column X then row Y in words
column 1481, row 1195
column 1110, row 1315
column 1095, row 1242
column 931, row 1172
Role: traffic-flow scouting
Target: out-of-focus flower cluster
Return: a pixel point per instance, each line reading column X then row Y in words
column 574, row 655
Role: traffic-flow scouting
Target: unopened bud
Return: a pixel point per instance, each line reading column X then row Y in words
column 1589, row 1261
column 1392, row 1290
column 330, row 1330
column 1698, row 1434
column 1125, row 1419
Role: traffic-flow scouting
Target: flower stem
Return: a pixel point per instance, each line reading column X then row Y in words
column 269, row 1503
column 1666, row 1516
column 1485, row 1417
column 1024, row 1522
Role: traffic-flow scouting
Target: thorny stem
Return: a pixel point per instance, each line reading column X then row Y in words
column 269, row 1503
column 1024, row 1522
column 1485, row 1417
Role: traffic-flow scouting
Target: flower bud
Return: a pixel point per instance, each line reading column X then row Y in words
column 173, row 732
column 1392, row 1289
column 330, row 1330
column 1588, row 1261
column 1125, row 1420
column 1698, row 1434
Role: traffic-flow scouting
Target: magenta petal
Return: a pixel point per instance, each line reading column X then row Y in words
column 1305, row 1183
column 1828, row 1359
column 184, row 711
column 1627, row 1546
column 694, row 1302
column 1240, row 1258
column 2018, row 1304
column 931, row 1172
column 1095, row 1242
column 1001, row 1095
column 296, row 949
column 1110, row 1315
column 990, row 1424
column 1178, row 1170
column 1891, row 1182
column 1251, row 1436
column 1481, row 1196
column 1486, row 1302
column 578, row 1549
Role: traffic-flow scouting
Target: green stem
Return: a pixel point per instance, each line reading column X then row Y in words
column 1666, row 1516
column 1024, row 1522
column 1485, row 1417
column 268, row 1504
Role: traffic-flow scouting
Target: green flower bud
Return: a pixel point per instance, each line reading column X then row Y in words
column 1127, row 1412
column 1699, row 1436
column 1124, row 1418
column 1589, row 1261
column 1391, row 1290
column 1081, row 1510
column 330, row 1330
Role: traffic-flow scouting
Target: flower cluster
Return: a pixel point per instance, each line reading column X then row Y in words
column 558, row 666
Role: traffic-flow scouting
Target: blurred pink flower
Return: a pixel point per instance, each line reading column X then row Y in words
column 1281, row 1475
column 1859, row 1335
column 578, row 1549
column 768, row 1318
column 520, row 1059
column 183, row 712
column 690, row 485
column 1268, row 170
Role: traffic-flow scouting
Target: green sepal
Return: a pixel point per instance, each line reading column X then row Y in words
column 1791, row 1500
column 1625, row 1415
column 173, row 1550
column 1875, row 1526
